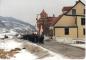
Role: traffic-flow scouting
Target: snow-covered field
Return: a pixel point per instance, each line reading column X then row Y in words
column 9, row 44
column 22, row 53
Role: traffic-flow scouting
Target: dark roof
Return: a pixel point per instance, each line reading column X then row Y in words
column 67, row 8
column 53, row 20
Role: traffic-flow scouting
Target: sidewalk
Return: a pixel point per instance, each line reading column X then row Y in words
column 78, row 45
column 71, row 42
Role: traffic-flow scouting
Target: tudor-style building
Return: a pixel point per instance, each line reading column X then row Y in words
column 72, row 22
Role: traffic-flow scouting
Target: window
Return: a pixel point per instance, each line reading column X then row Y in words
column 73, row 11
column 83, row 31
column 66, row 31
column 84, row 11
column 82, row 21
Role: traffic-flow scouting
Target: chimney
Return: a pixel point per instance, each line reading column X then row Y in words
column 53, row 15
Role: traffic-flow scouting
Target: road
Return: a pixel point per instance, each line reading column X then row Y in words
column 65, row 50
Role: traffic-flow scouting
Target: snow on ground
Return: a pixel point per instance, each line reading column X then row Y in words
column 79, row 45
column 54, row 57
column 9, row 44
column 23, row 54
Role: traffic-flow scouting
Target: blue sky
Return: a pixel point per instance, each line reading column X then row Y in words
column 27, row 10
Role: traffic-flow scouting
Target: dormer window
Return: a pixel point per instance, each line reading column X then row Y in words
column 73, row 11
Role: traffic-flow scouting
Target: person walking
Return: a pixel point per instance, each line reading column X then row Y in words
column 41, row 39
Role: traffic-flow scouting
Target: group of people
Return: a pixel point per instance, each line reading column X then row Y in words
column 38, row 38
column 35, row 38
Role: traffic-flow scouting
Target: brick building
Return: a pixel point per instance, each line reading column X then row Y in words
column 46, row 22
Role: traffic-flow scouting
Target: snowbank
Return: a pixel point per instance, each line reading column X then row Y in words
column 79, row 45
column 24, row 55
column 9, row 44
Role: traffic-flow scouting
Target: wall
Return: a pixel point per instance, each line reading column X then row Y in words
column 80, row 27
column 59, row 32
column 66, row 21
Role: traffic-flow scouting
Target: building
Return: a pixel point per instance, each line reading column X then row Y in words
column 71, row 22
column 46, row 22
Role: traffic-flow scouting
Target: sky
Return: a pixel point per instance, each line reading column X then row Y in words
column 27, row 10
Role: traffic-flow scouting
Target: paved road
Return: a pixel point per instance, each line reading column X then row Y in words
column 65, row 50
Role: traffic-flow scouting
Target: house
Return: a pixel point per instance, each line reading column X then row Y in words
column 46, row 22
column 71, row 22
